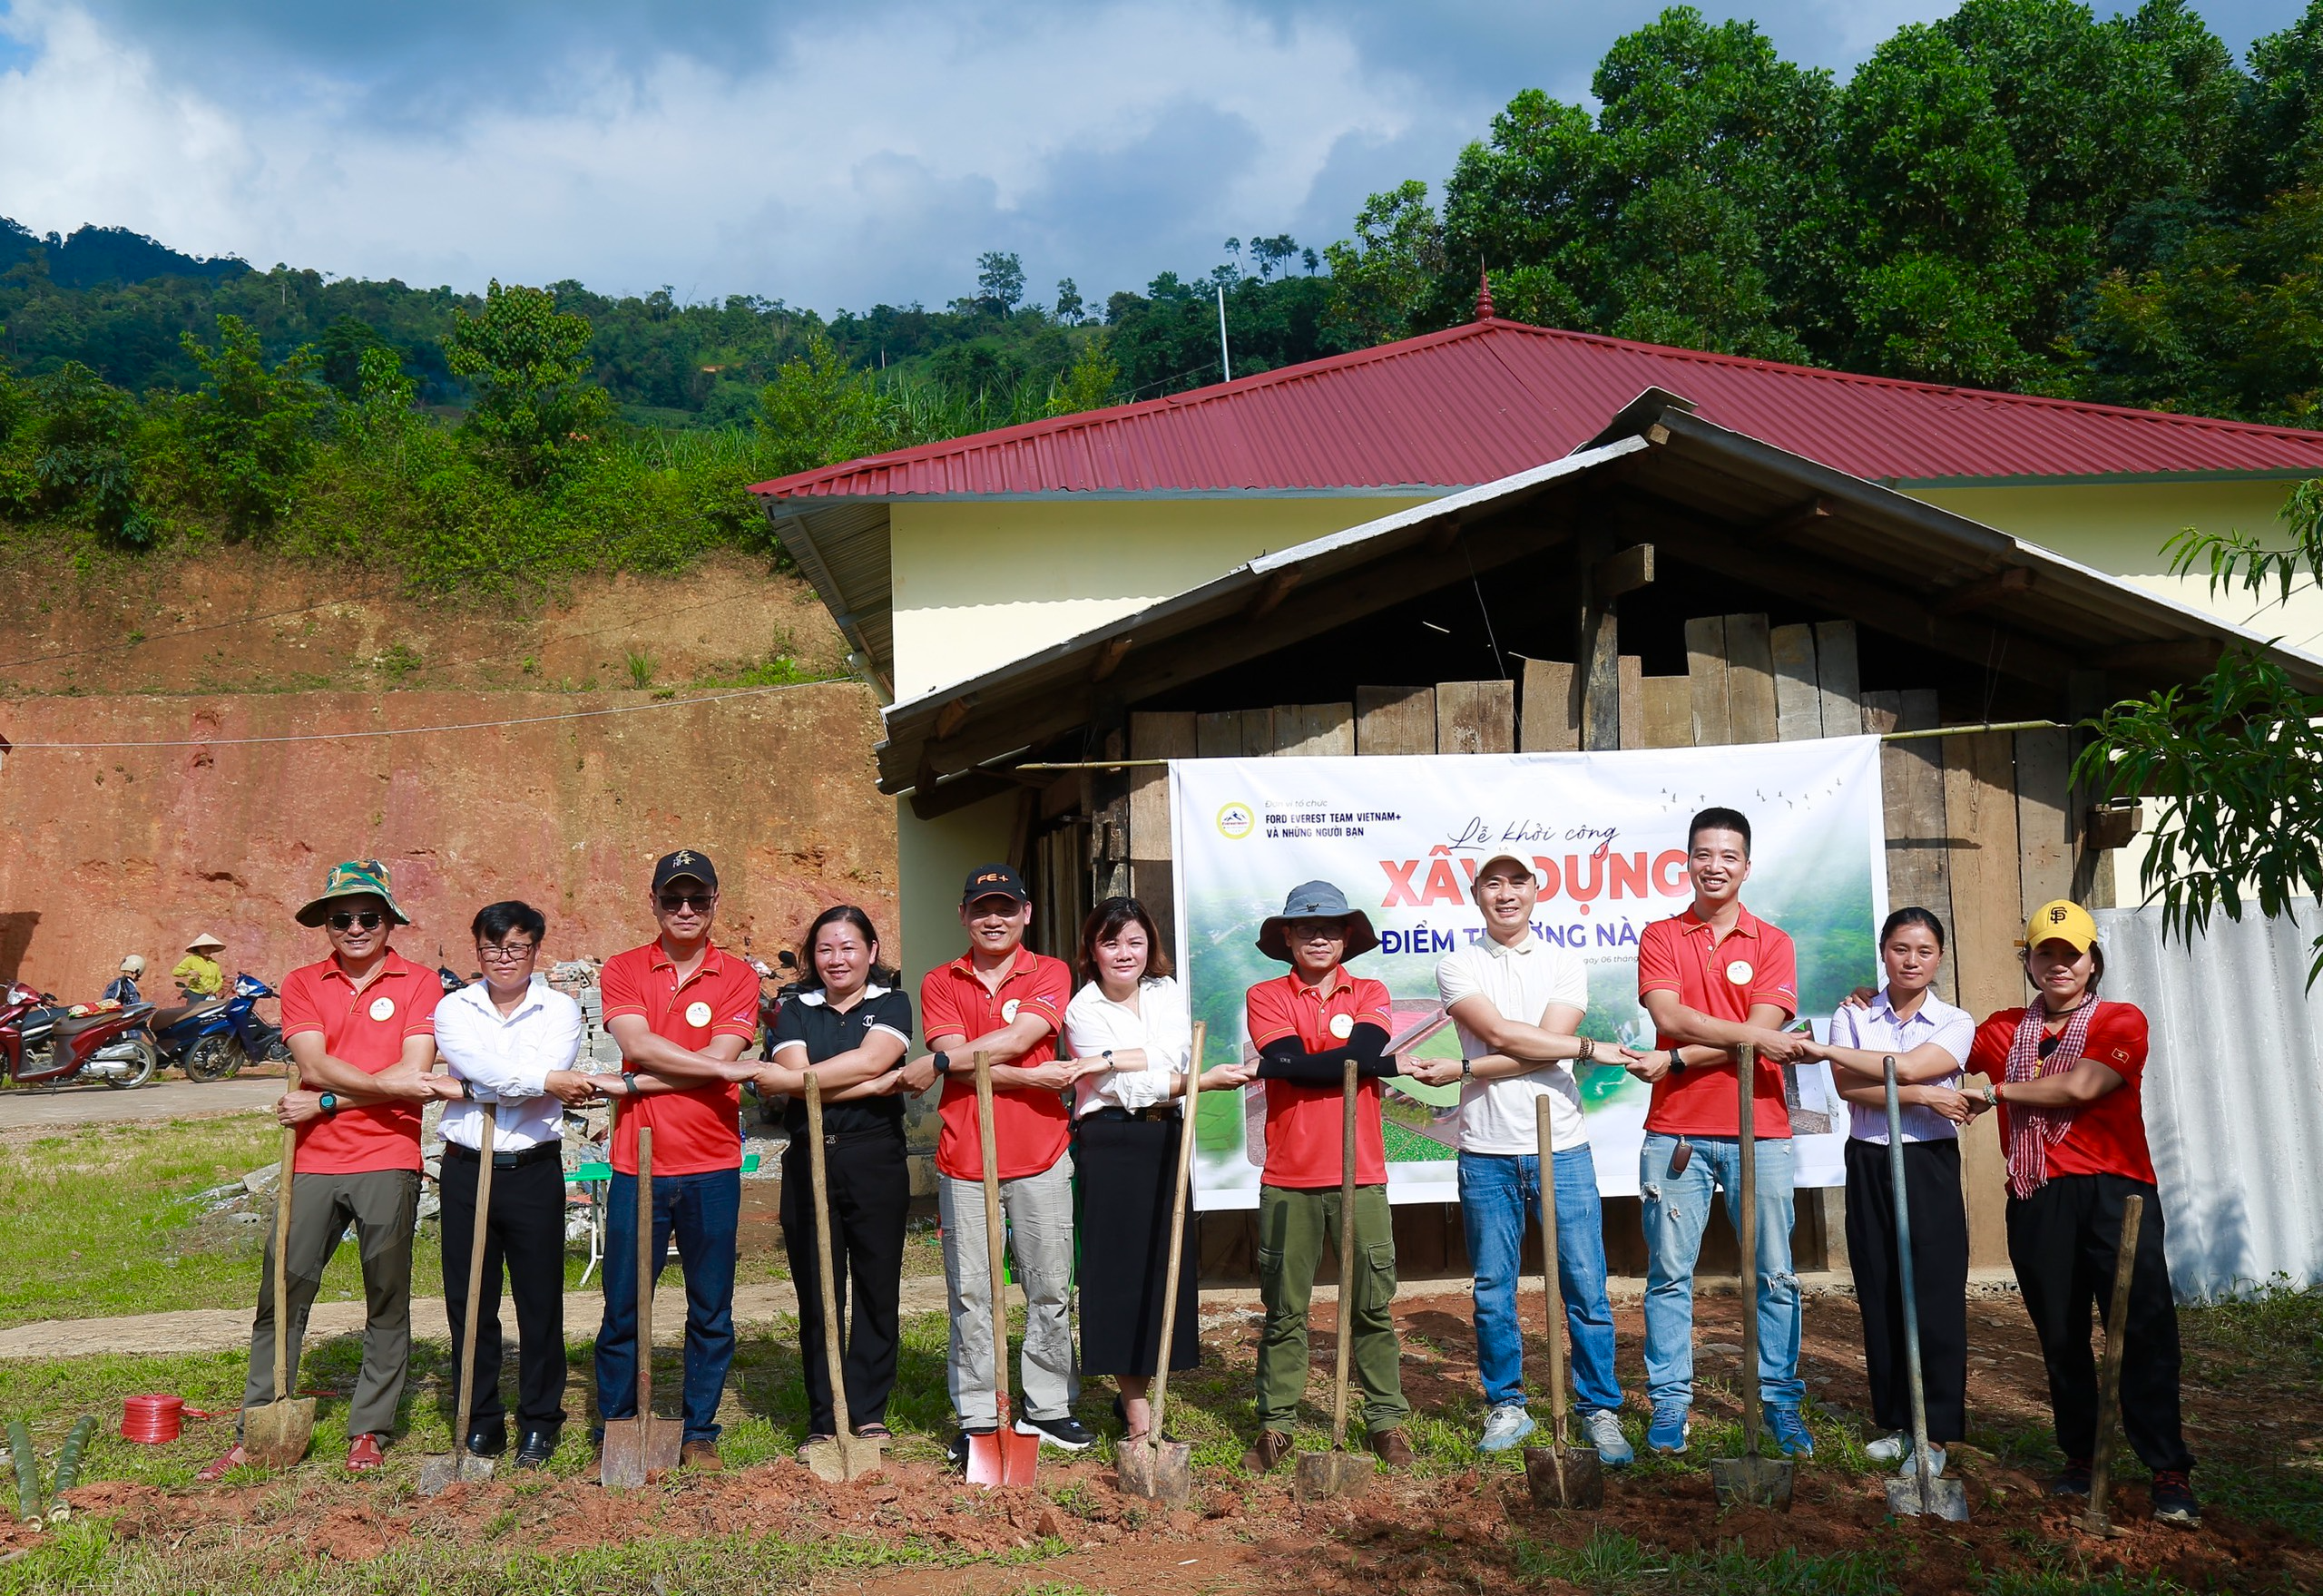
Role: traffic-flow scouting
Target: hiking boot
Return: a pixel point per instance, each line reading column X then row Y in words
column 1601, row 1428
column 2073, row 1480
column 700, row 1455
column 1066, row 1434
column 1508, row 1425
column 2174, row 1499
column 1667, row 1433
column 1395, row 1448
column 1272, row 1448
column 1789, row 1430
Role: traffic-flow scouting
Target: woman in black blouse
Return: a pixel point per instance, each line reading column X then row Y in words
column 851, row 1027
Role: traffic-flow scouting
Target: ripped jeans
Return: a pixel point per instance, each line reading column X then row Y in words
column 1676, row 1211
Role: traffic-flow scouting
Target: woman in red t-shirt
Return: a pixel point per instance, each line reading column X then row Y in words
column 2064, row 1072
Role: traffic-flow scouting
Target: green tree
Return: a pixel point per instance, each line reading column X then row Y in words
column 2282, row 142
column 1387, row 278
column 81, row 444
column 535, row 408
column 1088, row 382
column 1000, row 281
column 251, row 430
column 819, row 409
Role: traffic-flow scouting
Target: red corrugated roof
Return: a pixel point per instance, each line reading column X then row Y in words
column 1476, row 403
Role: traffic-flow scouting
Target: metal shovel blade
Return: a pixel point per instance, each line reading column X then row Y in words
column 1003, row 1457
column 1161, row 1473
column 846, row 1457
column 439, row 1474
column 1759, row 1481
column 1579, row 1483
column 276, row 1434
column 638, row 1451
column 1946, row 1499
column 1324, row 1474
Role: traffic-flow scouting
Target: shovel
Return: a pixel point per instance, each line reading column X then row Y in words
column 2099, row 1520
column 1557, row 1476
column 1754, row 1478
column 1339, row 1472
column 1918, row 1490
column 846, row 1456
column 439, row 1473
column 1003, row 1457
column 1163, row 1470
column 638, row 1449
column 277, row 1433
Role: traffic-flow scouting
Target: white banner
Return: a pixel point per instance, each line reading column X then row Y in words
column 1403, row 835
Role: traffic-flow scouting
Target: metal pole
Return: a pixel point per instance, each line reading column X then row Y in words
column 1225, row 358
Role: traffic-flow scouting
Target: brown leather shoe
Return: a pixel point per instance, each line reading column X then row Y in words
column 1273, row 1446
column 702, row 1455
column 1395, row 1449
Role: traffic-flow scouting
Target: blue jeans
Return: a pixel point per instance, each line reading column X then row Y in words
column 1498, row 1193
column 703, row 1212
column 1676, row 1211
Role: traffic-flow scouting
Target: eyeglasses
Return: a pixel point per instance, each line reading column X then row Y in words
column 513, row 953
column 700, row 902
column 349, row 919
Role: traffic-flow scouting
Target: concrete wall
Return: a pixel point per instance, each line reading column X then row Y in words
column 110, row 851
column 977, row 584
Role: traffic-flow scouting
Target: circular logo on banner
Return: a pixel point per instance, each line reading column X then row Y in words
column 697, row 1014
column 1739, row 972
column 1237, row 821
column 1342, row 1026
column 1008, row 1013
column 383, row 1008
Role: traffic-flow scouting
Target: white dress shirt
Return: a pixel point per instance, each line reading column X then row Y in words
column 507, row 1060
column 1521, row 982
column 1878, row 1030
column 1159, row 1022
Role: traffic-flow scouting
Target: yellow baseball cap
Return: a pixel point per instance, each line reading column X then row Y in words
column 2061, row 921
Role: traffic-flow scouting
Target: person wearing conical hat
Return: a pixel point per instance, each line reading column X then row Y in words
column 199, row 972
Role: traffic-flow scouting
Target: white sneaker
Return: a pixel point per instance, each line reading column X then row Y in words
column 1889, row 1448
column 1505, row 1427
column 1603, row 1431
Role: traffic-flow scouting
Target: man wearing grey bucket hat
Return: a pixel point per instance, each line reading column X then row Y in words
column 1306, row 1025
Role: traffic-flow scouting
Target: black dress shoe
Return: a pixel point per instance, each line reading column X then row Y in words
column 487, row 1440
column 535, row 1449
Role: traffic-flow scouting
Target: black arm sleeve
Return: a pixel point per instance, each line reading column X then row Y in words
column 1281, row 1060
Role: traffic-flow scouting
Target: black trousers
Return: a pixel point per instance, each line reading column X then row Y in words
column 525, row 1233
column 2064, row 1241
column 870, row 1194
column 1939, row 1281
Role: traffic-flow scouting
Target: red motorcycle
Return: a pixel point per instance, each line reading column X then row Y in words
column 43, row 1044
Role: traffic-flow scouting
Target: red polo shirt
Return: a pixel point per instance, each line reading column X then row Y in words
column 366, row 1029
column 1720, row 977
column 1030, row 1126
column 1305, row 1130
column 698, row 1129
column 2103, row 1138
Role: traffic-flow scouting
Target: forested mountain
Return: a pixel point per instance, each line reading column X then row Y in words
column 2023, row 195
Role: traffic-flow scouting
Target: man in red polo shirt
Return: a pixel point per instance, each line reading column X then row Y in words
column 361, row 1027
column 1716, row 978
column 683, row 1009
column 1306, row 1025
column 1002, row 1000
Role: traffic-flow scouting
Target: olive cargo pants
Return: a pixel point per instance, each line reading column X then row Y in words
column 1296, row 1229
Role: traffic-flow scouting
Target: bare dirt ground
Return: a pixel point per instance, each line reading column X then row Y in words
column 1442, row 1533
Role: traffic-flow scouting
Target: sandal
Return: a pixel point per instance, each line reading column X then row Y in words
column 365, row 1455
column 225, row 1465
column 813, row 1440
column 873, row 1431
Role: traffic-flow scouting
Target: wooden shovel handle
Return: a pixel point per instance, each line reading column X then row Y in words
column 491, row 1113
column 823, row 1253
column 645, row 1278
column 988, row 1145
column 1746, row 1074
column 282, row 1250
column 2117, row 1326
column 1177, row 1202
column 1348, row 1293
column 1551, row 1287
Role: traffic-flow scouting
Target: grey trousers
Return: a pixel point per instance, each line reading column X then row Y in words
column 1038, row 1209
column 382, row 1205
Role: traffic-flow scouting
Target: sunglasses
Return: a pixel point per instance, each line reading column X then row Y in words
column 349, row 919
column 700, row 902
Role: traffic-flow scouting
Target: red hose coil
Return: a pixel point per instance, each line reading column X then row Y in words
column 153, row 1420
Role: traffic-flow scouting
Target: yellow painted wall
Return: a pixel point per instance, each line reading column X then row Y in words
column 2120, row 529
column 978, row 584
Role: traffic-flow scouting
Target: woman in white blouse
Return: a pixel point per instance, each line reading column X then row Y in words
column 1129, row 1030
column 1929, row 1040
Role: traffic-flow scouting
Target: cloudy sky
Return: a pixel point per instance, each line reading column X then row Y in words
column 832, row 155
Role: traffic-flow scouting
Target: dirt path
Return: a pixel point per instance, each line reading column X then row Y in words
column 33, row 1108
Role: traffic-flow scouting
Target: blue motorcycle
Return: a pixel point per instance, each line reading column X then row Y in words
column 212, row 1038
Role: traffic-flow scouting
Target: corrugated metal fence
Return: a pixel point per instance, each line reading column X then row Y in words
column 2233, row 1093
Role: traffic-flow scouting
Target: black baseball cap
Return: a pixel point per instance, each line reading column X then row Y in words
column 685, row 862
column 993, row 881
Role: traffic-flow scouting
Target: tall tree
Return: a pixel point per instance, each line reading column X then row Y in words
column 535, row 408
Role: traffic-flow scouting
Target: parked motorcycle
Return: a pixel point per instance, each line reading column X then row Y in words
column 212, row 1038
column 49, row 1045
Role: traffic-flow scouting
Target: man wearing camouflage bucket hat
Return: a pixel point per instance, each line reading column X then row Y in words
column 361, row 1028
column 1306, row 1025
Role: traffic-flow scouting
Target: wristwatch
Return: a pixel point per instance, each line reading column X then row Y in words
column 329, row 1103
column 1108, row 1056
column 1467, row 1069
column 1677, row 1061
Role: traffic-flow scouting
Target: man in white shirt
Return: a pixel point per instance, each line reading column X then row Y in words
column 1518, row 1000
column 513, row 1040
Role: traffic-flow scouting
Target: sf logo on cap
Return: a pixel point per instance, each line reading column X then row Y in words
column 2056, row 914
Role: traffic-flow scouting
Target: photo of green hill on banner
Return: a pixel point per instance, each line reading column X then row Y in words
column 1403, row 835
